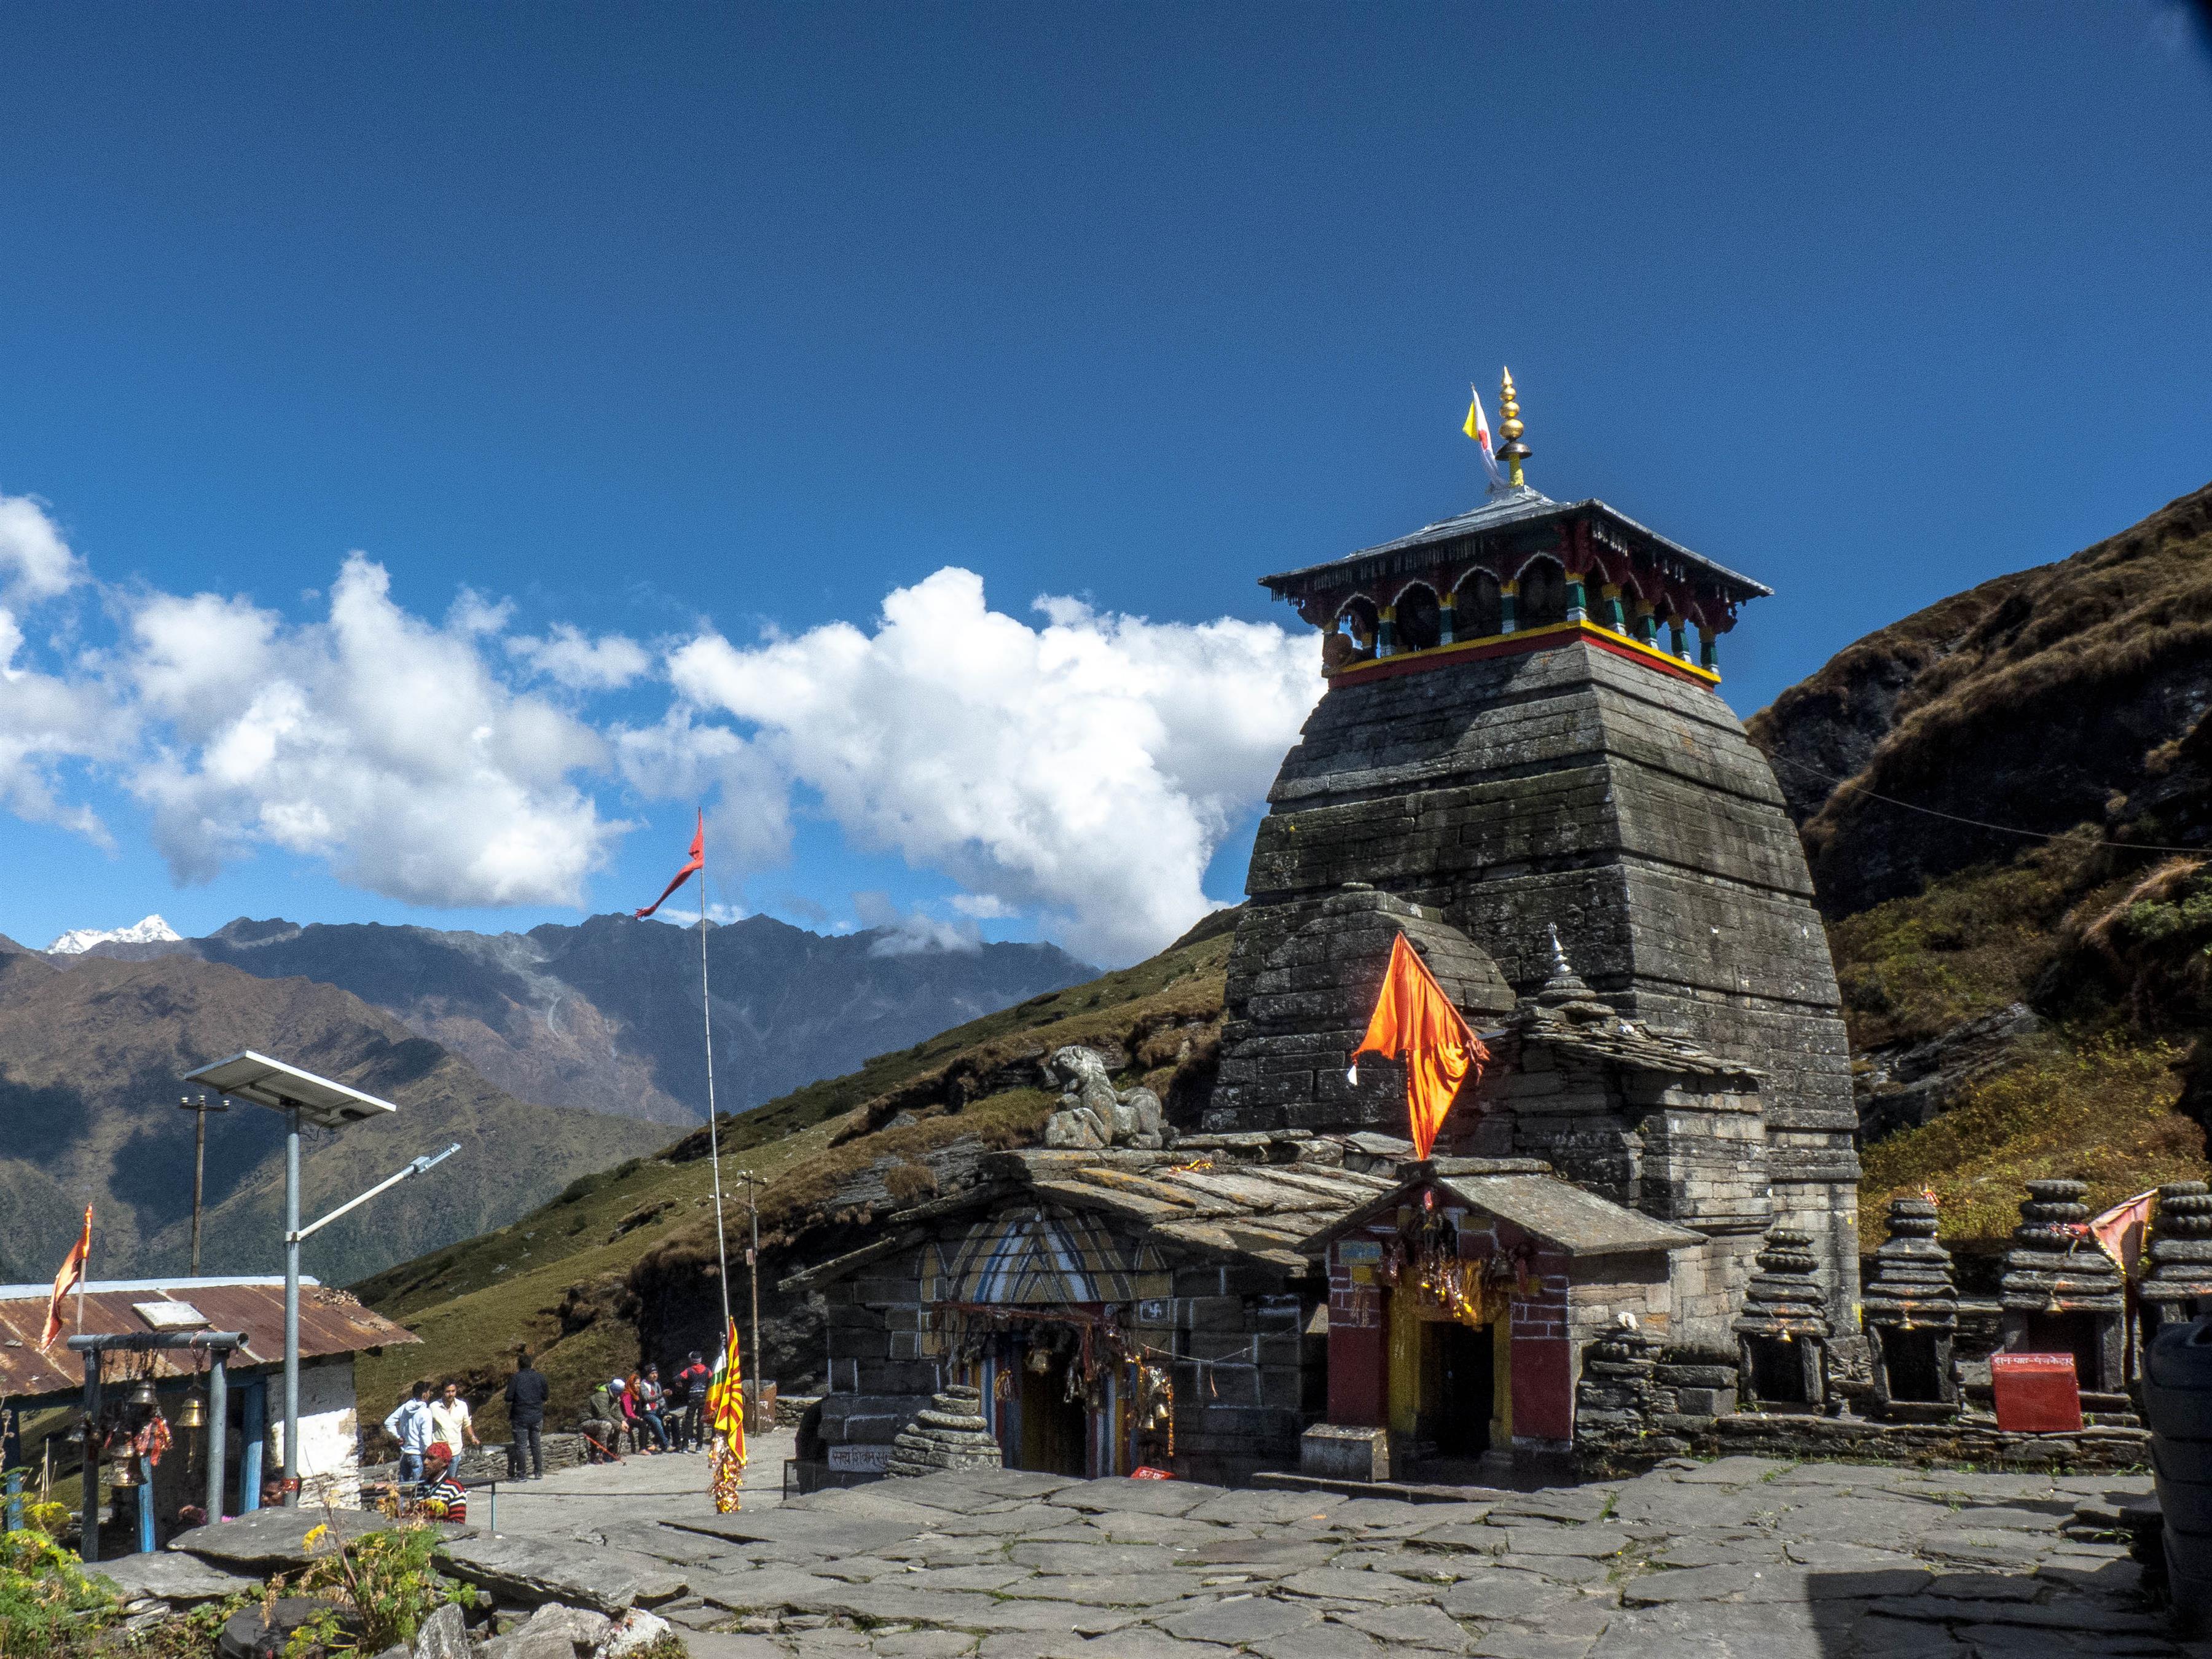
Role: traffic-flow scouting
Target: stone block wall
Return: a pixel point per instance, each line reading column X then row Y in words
column 1564, row 787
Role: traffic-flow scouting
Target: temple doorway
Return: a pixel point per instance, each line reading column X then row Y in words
column 1056, row 1431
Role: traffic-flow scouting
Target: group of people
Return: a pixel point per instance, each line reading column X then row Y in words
column 433, row 1422
column 434, row 1425
column 635, row 1407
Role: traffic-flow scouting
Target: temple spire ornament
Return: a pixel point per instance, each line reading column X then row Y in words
column 1509, row 426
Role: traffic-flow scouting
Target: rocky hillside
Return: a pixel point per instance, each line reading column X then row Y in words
column 605, row 1014
column 627, row 1257
column 2073, row 693
column 2001, row 797
column 90, row 1059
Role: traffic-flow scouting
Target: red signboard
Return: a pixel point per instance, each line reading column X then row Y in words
column 2037, row 1393
column 1145, row 1472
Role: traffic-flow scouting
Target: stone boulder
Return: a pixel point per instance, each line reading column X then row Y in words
column 634, row 1631
column 254, row 1634
column 554, row 1631
column 266, row 1541
column 532, row 1571
column 444, row 1635
column 181, row 1581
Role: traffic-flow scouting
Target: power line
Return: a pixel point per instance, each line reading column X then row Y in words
column 1979, row 824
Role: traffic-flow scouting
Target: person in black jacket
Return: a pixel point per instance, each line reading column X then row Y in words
column 526, row 1419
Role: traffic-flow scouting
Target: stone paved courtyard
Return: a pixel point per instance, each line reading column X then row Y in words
column 1742, row 1559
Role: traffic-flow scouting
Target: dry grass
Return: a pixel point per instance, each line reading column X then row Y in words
column 1971, row 943
column 2103, row 1114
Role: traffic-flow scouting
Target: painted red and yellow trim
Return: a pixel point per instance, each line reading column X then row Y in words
column 1530, row 639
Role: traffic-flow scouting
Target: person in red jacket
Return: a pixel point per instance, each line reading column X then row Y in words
column 691, row 1388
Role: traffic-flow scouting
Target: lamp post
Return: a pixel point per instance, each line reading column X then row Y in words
column 299, row 1095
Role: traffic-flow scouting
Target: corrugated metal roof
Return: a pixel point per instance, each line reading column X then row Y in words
column 1517, row 507
column 330, row 1323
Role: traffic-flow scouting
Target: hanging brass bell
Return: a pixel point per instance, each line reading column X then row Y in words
column 141, row 1394
column 194, row 1414
column 125, row 1472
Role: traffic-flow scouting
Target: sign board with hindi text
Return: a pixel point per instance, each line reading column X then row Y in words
column 2036, row 1393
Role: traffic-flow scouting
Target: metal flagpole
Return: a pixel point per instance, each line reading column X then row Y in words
column 713, row 1138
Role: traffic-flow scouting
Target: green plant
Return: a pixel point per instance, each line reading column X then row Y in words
column 188, row 1635
column 385, row 1579
column 47, row 1602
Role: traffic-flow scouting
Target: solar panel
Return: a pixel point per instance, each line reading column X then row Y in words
column 271, row 1083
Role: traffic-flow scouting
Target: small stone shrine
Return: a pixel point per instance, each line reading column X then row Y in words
column 950, row 1432
column 2061, row 1294
column 2177, row 1285
column 1782, row 1331
column 1912, row 1318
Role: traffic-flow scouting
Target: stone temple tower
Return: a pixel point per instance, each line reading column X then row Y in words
column 1518, row 735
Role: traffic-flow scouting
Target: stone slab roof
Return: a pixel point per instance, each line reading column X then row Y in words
column 1557, row 1211
column 1188, row 1198
column 1612, row 1040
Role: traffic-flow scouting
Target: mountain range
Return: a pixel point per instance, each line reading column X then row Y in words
column 548, row 1057
column 605, row 1014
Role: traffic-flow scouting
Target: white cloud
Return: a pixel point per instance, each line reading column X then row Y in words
column 1076, row 765
column 35, row 562
column 910, row 933
column 373, row 740
column 566, row 656
column 1088, row 767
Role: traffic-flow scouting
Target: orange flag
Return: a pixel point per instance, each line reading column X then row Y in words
column 70, row 1276
column 1415, row 1020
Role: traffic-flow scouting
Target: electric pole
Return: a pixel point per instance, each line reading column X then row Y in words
column 201, row 1108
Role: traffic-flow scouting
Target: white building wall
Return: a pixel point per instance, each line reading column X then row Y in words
column 330, row 1440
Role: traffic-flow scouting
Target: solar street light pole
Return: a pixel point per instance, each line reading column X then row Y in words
column 291, row 1466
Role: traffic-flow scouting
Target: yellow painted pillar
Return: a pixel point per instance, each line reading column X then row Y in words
column 1405, row 1379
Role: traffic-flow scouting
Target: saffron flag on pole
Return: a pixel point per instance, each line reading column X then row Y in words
column 2119, row 1231
column 70, row 1276
column 1478, row 429
column 1415, row 1020
column 726, row 1423
column 698, row 862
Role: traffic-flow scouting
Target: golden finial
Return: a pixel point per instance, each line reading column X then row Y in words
column 1515, row 452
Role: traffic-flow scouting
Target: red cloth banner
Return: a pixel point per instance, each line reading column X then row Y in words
column 70, row 1276
column 698, row 863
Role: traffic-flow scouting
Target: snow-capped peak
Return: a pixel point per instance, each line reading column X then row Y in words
column 152, row 931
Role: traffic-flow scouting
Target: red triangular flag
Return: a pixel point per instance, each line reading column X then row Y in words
column 698, row 862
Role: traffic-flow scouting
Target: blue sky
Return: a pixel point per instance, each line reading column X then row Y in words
column 676, row 324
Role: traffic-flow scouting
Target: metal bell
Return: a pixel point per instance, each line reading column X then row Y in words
column 141, row 1394
column 125, row 1470
column 194, row 1413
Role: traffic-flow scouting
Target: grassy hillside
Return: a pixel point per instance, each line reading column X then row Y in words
column 2113, row 957
column 575, row 1279
column 90, row 1062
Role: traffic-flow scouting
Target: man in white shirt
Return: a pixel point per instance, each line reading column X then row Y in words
column 410, row 1424
column 450, row 1420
